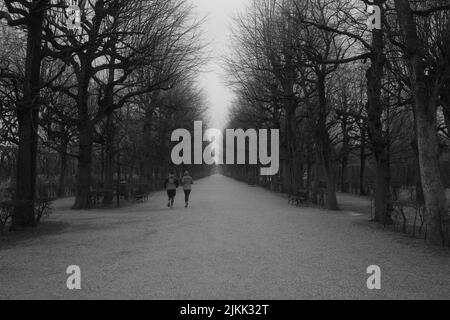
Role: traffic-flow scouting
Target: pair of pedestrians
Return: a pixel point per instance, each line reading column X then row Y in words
column 171, row 185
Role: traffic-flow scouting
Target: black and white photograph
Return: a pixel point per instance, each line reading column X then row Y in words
column 224, row 155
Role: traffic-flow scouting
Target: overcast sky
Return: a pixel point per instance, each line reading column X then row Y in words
column 217, row 30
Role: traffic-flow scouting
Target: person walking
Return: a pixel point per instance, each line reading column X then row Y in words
column 171, row 184
column 187, row 183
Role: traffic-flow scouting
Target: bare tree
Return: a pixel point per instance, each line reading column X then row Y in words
column 128, row 50
column 426, row 88
column 30, row 15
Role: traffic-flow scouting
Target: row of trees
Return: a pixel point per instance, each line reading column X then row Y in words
column 341, row 92
column 107, row 94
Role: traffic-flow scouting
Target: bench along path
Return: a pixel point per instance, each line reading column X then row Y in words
column 234, row 242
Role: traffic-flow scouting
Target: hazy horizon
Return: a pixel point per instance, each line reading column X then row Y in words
column 218, row 16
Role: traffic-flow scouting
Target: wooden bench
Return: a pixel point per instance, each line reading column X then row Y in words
column 95, row 198
column 301, row 197
column 140, row 193
column 140, row 197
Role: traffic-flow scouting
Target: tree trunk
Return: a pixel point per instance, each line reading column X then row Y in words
column 345, row 155
column 109, row 160
column 316, row 182
column 28, row 118
column 84, row 177
column 363, row 158
column 110, row 135
column 309, row 170
column 382, row 190
column 414, row 146
column 291, row 145
column 378, row 142
column 425, row 107
column 63, row 170
column 419, row 189
column 86, row 135
column 324, row 146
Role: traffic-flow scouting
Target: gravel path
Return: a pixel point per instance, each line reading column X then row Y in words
column 235, row 242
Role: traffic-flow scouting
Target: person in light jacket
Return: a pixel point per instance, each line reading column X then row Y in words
column 187, row 183
column 171, row 184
